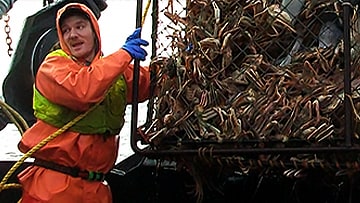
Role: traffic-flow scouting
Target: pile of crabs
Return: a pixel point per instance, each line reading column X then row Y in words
column 256, row 72
column 249, row 70
column 252, row 71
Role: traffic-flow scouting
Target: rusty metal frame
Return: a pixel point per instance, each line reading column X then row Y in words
column 349, row 117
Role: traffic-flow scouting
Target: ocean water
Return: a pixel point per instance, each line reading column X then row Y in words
column 10, row 137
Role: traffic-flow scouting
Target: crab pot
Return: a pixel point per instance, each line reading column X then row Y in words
column 255, row 86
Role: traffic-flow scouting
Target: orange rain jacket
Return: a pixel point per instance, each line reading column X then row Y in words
column 77, row 87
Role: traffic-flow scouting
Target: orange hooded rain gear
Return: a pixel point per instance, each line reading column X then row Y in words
column 64, row 82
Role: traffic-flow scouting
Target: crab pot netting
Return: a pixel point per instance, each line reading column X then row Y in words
column 253, row 75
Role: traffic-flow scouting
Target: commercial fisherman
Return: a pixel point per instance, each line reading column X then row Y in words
column 71, row 167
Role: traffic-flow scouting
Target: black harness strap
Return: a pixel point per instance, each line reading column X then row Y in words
column 73, row 171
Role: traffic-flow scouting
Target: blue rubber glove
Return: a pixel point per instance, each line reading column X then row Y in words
column 189, row 47
column 133, row 45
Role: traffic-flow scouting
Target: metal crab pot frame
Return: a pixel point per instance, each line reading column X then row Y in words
column 244, row 146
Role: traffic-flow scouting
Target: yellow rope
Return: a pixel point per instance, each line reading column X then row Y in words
column 3, row 184
column 145, row 12
column 10, row 186
column 28, row 154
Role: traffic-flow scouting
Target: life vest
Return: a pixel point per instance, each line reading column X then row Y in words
column 107, row 118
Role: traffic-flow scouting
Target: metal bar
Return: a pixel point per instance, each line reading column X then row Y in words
column 154, row 37
column 135, row 97
column 347, row 75
column 248, row 151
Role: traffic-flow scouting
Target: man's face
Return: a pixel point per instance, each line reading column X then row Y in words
column 79, row 37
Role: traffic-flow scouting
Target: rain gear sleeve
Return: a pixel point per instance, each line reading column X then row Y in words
column 64, row 82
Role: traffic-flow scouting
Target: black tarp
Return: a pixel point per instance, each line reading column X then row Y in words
column 5, row 6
